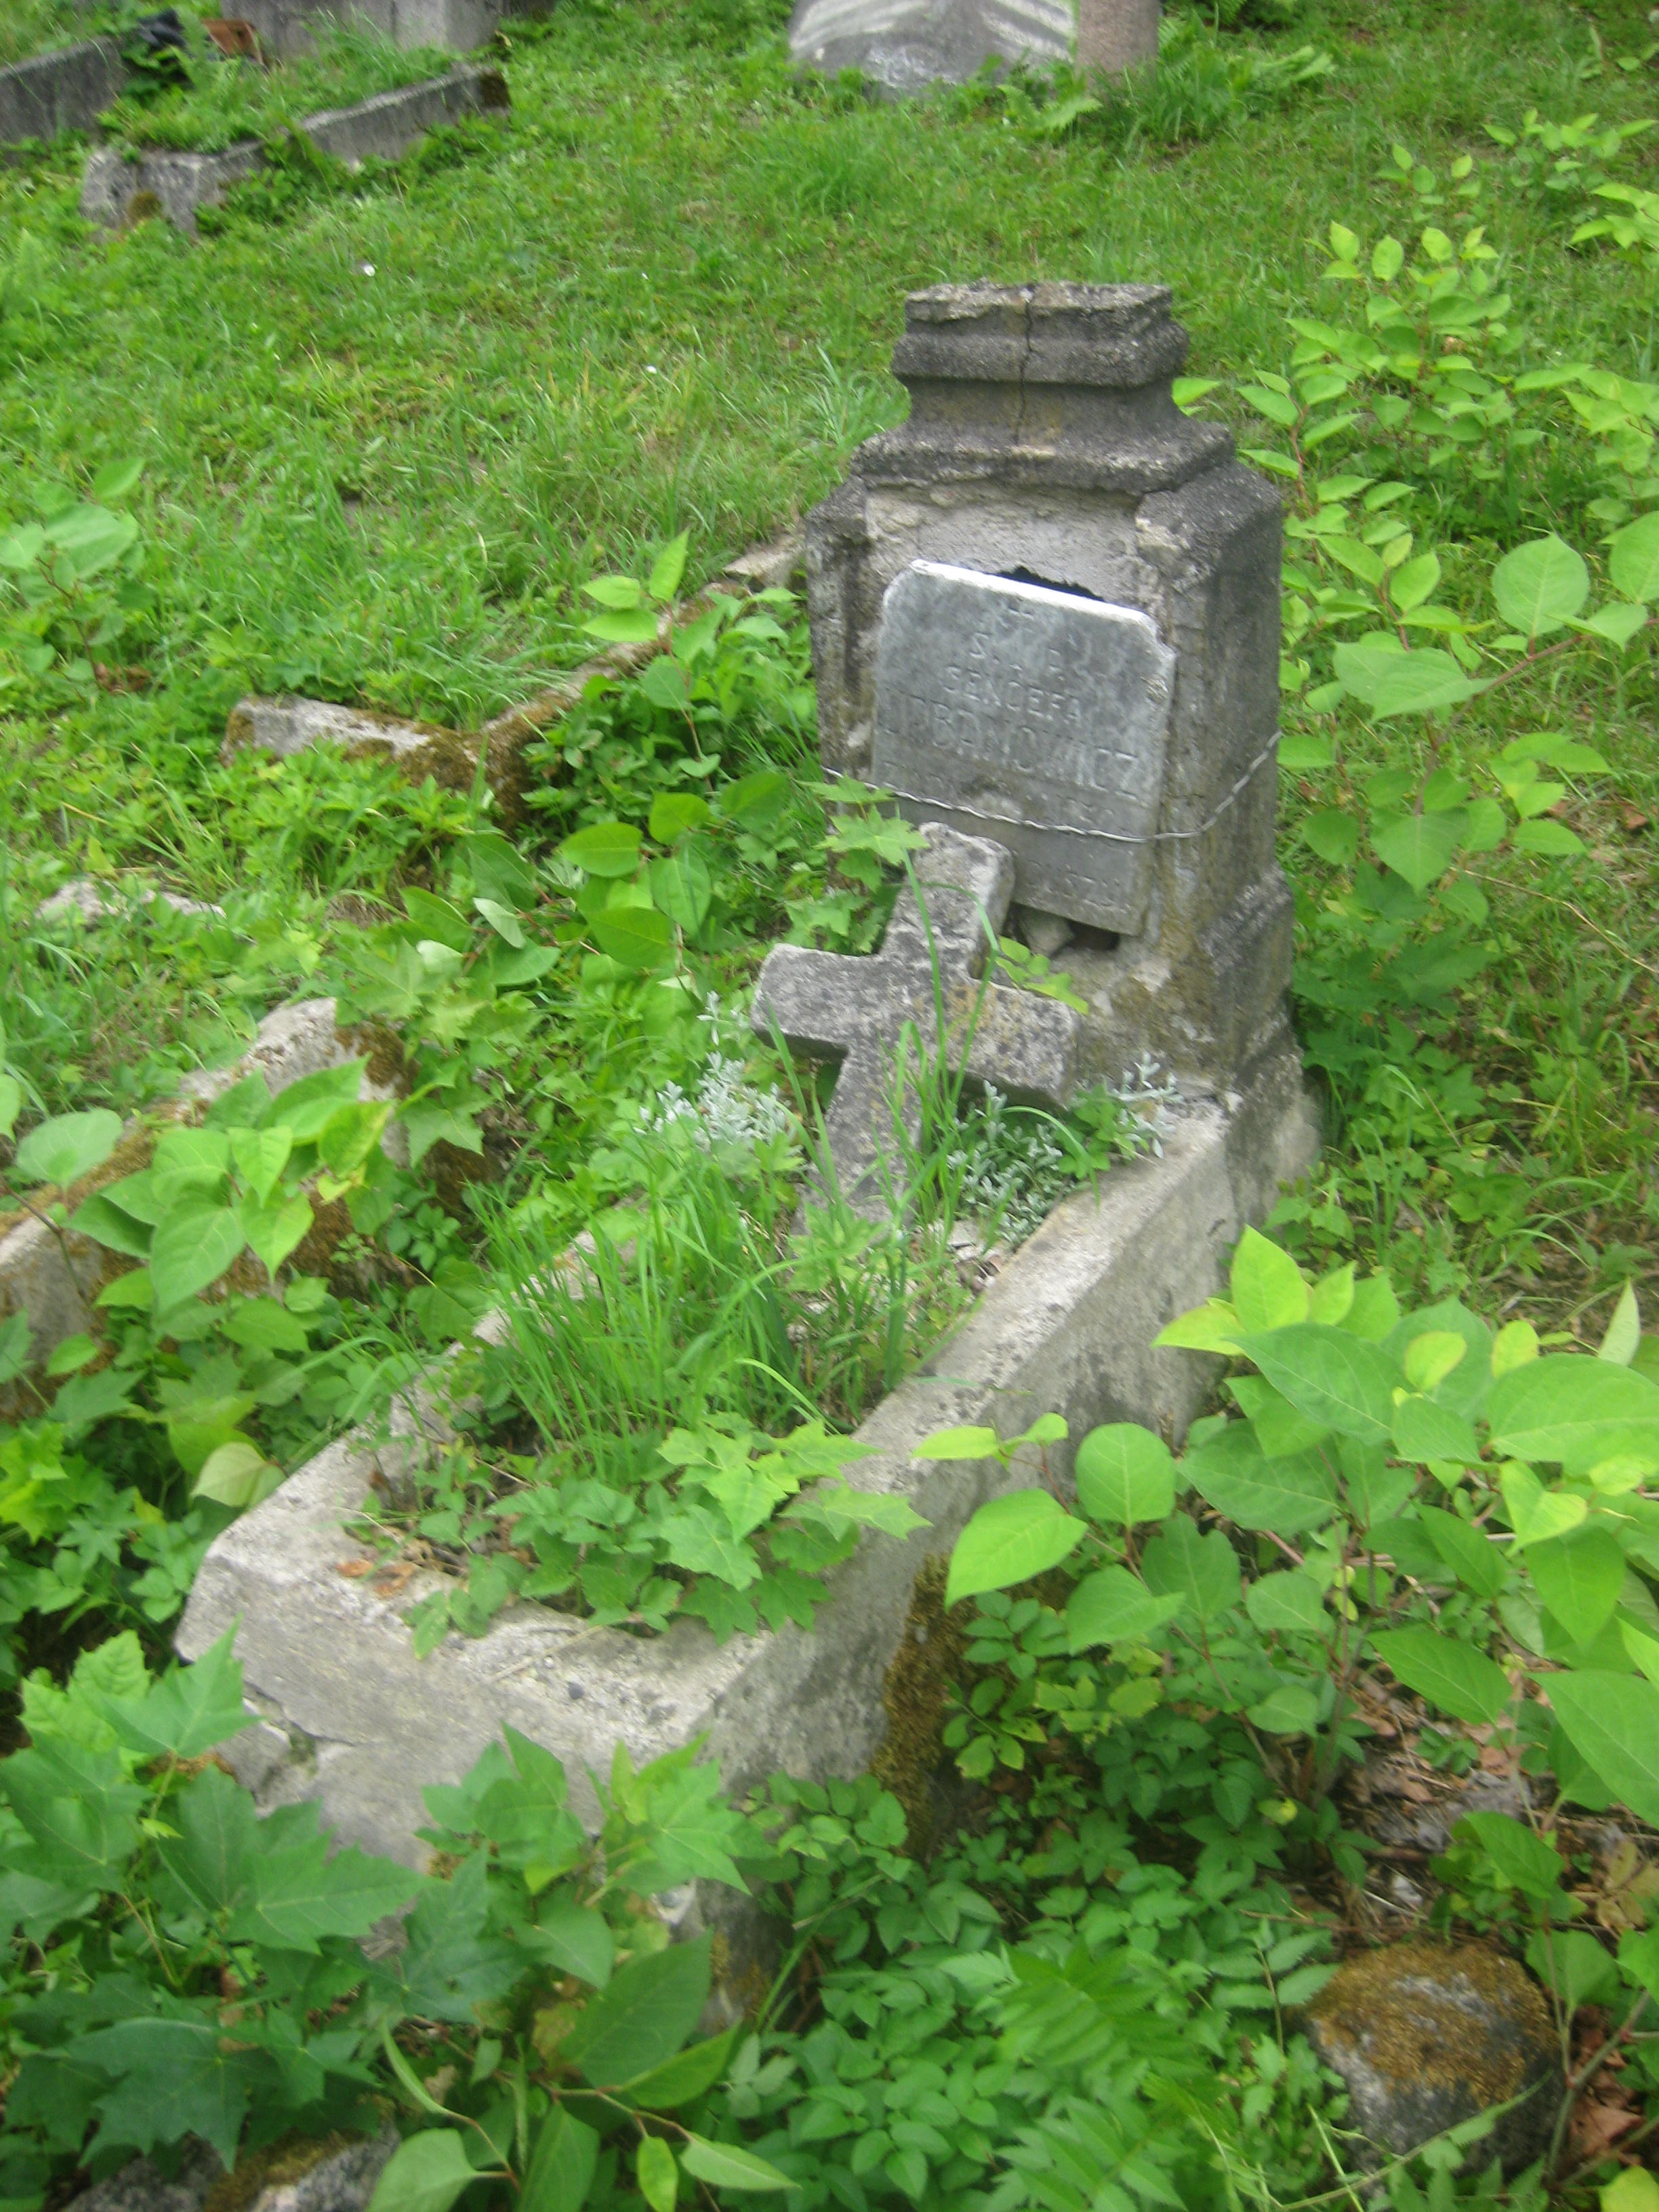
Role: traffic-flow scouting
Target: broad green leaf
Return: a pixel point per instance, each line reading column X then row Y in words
column 1578, row 1577
column 90, row 537
column 617, row 591
column 674, row 813
column 1424, row 1430
column 607, row 849
column 1574, row 1411
column 560, row 2170
column 189, row 1711
column 642, row 2016
column 1526, row 1862
column 1286, row 1604
column 1553, row 840
column 308, row 1106
column 1453, row 1676
column 1379, row 670
column 665, row 578
column 1612, row 1721
column 1273, row 404
column 754, row 801
column 1333, row 834
column 683, row 887
column 1428, row 1359
column 636, row 937
column 277, row 1230
column 192, row 1249
column 1288, row 1494
column 685, row 2077
column 77, row 1807
column 577, row 1941
column 1009, row 1540
column 437, row 920
column 1212, row 1326
column 658, row 2175
column 426, row 2174
column 1387, row 259
column 1337, row 1379
column 1575, row 1965
column 499, row 871
column 1413, row 581
column 260, row 1156
column 1634, row 2189
column 170, row 2079
column 1112, row 1606
column 1203, row 1569
column 1540, row 586
column 725, row 2166
column 1478, row 1564
column 1536, row 1515
column 1291, row 1710
column 502, row 920
column 1419, row 847
column 964, row 1444
column 68, row 1146
column 234, row 1474
column 1633, row 559
column 1515, row 1344
column 1618, row 623
column 637, row 626
column 1266, row 1284
column 1124, row 1474
column 1623, row 1332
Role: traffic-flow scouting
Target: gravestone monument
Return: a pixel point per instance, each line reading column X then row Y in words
column 1045, row 611
column 902, row 44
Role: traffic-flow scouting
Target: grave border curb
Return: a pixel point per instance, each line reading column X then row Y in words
column 385, row 125
column 349, row 1717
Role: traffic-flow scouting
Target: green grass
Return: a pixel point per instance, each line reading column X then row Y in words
column 34, row 27
column 665, row 300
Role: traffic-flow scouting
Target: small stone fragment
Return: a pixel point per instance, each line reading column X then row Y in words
column 1426, row 2037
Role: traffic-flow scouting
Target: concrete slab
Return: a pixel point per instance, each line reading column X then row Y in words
column 354, row 1719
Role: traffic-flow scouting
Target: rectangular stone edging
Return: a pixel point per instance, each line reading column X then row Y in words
column 54, row 1282
column 350, row 1715
column 287, row 725
column 385, row 125
column 66, row 89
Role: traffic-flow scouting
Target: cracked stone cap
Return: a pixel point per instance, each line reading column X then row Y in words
column 1121, row 336
column 1061, row 385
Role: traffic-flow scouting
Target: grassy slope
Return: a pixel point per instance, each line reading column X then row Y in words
column 668, row 300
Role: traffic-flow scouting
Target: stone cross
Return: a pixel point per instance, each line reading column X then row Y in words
column 831, row 1005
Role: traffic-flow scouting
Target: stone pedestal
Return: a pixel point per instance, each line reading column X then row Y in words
column 1043, row 444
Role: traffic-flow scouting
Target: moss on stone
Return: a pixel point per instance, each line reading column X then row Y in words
column 913, row 1695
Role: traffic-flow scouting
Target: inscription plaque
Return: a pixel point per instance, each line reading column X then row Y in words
column 1035, row 717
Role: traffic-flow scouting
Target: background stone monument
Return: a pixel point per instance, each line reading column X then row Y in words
column 902, row 44
column 1043, row 446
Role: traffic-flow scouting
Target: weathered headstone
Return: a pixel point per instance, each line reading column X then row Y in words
column 1034, row 717
column 1043, row 444
column 902, row 44
column 830, row 1005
